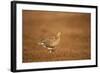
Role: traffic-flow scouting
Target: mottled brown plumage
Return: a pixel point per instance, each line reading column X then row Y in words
column 51, row 42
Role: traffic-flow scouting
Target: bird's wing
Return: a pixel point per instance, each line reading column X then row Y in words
column 50, row 41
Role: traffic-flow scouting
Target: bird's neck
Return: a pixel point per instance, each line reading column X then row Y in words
column 58, row 36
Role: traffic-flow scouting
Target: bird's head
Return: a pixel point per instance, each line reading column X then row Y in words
column 59, row 34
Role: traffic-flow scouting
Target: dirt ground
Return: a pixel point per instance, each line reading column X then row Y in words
column 75, row 37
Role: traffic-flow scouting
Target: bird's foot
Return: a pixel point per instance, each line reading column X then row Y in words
column 51, row 51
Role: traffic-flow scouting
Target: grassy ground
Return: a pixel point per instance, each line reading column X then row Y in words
column 75, row 38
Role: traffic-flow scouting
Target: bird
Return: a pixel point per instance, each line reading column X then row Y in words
column 51, row 42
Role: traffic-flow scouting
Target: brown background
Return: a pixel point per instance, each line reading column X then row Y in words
column 75, row 38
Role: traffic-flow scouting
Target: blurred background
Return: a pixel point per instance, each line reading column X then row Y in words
column 74, row 40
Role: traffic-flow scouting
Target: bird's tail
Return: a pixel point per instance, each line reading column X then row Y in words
column 40, row 43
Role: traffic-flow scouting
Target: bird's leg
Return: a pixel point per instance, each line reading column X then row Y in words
column 51, row 50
